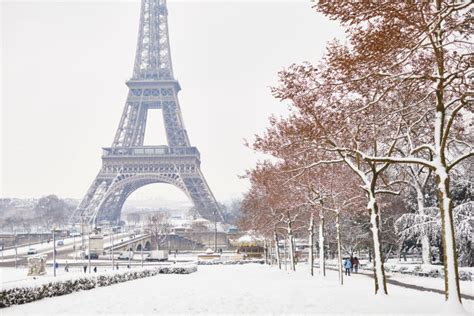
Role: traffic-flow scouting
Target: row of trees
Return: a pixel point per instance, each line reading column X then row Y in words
column 389, row 112
column 42, row 215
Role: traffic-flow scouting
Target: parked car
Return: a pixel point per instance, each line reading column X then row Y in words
column 60, row 243
column 32, row 251
column 94, row 255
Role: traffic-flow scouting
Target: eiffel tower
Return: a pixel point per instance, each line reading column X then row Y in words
column 128, row 165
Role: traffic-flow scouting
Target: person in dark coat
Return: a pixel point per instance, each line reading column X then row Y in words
column 348, row 266
column 85, row 268
column 355, row 264
column 95, row 269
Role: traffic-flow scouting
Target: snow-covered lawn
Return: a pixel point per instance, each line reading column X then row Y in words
column 252, row 288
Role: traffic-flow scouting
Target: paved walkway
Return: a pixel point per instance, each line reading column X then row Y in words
column 390, row 280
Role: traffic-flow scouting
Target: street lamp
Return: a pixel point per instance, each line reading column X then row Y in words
column 113, row 259
column 54, row 251
column 215, row 231
column 82, row 233
column 74, row 242
column 16, row 249
column 141, row 253
column 89, row 251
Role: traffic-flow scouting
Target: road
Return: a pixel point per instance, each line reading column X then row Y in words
column 61, row 251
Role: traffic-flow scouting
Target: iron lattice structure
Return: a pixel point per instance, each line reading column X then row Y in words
column 128, row 165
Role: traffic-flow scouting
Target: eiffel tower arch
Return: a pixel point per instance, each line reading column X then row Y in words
column 128, row 165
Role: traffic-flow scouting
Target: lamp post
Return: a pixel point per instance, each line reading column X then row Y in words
column 215, row 231
column 141, row 253
column 113, row 259
column 16, row 250
column 74, row 246
column 82, row 233
column 89, row 251
column 54, row 252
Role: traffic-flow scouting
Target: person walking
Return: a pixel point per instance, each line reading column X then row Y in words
column 85, row 268
column 348, row 266
column 356, row 264
column 95, row 269
column 66, row 267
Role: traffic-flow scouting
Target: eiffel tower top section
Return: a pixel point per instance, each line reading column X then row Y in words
column 153, row 57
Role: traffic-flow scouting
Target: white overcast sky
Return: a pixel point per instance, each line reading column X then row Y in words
column 64, row 64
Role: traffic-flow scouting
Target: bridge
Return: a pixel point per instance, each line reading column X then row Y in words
column 164, row 242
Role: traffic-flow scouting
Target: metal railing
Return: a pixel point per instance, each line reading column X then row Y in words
column 150, row 151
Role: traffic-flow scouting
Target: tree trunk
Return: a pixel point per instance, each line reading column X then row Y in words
column 270, row 253
column 400, row 249
column 451, row 276
column 277, row 250
column 339, row 254
column 310, row 248
column 450, row 262
column 425, row 239
column 322, row 261
column 425, row 249
column 291, row 247
column 379, row 273
column 265, row 254
column 389, row 253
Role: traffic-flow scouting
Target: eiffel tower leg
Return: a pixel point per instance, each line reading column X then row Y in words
column 86, row 209
column 111, row 208
column 202, row 196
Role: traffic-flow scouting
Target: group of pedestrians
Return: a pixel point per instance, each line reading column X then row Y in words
column 85, row 269
column 351, row 265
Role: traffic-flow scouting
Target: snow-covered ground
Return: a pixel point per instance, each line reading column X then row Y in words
column 238, row 289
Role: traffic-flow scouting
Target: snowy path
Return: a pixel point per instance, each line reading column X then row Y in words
column 250, row 289
column 415, row 282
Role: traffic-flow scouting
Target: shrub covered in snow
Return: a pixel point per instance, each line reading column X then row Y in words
column 22, row 295
column 421, row 270
column 432, row 271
